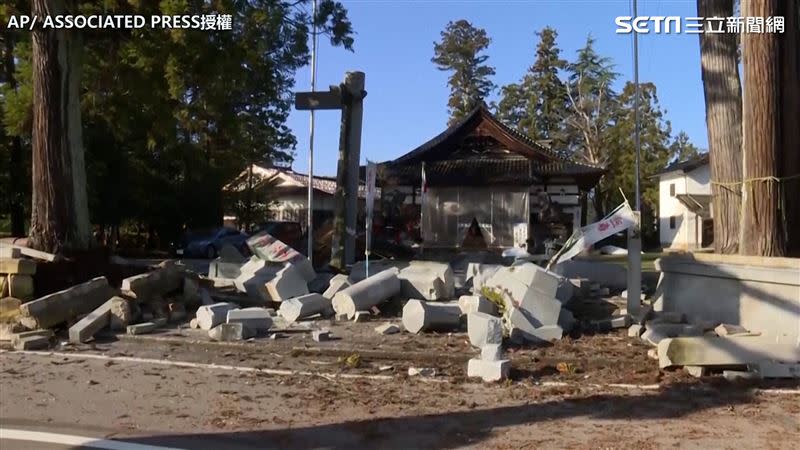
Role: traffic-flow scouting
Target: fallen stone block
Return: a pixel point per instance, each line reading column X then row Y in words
column 704, row 351
column 542, row 310
column 545, row 334
column 219, row 268
column 225, row 332
column 16, row 266
column 421, row 284
column 268, row 248
column 8, row 330
column 61, row 306
column 20, row 286
column 492, row 352
column 158, row 282
column 419, row 315
column 484, row 329
column 30, row 335
column 770, row 369
column 536, row 277
column 656, row 332
column 726, row 329
column 481, row 274
column 32, row 343
column 387, row 328
column 635, row 330
column 321, row 335
column 304, row 306
column 141, row 328
column 95, row 321
column 620, row 321
column 488, row 371
column 122, row 313
column 476, row 303
column 367, row 293
column 209, row 316
column 193, row 324
column 256, row 319
column 287, row 283
column 337, row 283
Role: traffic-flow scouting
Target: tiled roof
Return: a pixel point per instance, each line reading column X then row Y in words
column 320, row 183
column 686, row 165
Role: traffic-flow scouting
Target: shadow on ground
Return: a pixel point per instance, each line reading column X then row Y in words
column 471, row 427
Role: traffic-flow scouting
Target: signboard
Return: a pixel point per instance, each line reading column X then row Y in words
column 618, row 220
column 318, row 100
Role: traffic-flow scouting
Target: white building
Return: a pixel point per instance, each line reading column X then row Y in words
column 684, row 203
column 289, row 194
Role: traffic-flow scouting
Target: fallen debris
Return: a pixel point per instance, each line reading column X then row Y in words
column 321, row 335
column 484, row 329
column 337, row 283
column 704, row 351
column 362, row 316
column 771, row 369
column 304, row 306
column 230, row 332
column 287, row 283
column 31, row 340
column 476, row 303
column 93, row 322
column 255, row 318
column 421, row 372
column 209, row 316
column 141, row 328
column 62, row 306
column 268, row 248
column 419, row 315
column 367, row 293
column 488, row 370
column 158, row 282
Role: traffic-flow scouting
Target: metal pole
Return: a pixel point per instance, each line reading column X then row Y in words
column 636, row 104
column 634, row 277
column 310, row 205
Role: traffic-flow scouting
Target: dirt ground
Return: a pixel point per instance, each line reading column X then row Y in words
column 541, row 407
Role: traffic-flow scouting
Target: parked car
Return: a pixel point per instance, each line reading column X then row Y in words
column 290, row 233
column 207, row 243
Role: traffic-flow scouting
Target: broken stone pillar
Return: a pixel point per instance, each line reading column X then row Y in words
column 256, row 319
column 488, row 370
column 484, row 329
column 220, row 268
column 303, row 306
column 541, row 309
column 209, row 316
column 253, row 278
column 422, row 284
column 476, row 303
column 387, row 328
column 704, row 351
column 419, row 315
column 492, row 352
column 535, row 277
column 524, row 327
column 337, row 283
column 655, row 332
column 287, row 283
column 95, row 321
column 268, row 248
column 62, row 306
column 141, row 328
column 20, row 286
column 230, row 332
column 122, row 313
column 157, row 282
column 367, row 293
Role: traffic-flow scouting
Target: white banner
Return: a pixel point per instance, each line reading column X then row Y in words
column 620, row 219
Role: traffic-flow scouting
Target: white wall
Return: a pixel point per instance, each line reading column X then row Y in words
column 688, row 229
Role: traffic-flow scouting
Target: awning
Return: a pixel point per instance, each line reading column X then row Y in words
column 697, row 203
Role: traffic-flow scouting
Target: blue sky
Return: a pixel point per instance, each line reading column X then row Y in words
column 407, row 96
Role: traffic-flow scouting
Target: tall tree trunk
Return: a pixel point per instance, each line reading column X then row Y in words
column 790, row 82
column 59, row 216
column 762, row 222
column 16, row 167
column 723, row 97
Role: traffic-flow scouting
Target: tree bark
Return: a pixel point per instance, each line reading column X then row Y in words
column 16, row 167
column 763, row 232
column 723, row 97
column 60, row 215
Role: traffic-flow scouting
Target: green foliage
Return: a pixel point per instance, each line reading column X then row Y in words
column 537, row 105
column 459, row 52
column 171, row 115
column 682, row 149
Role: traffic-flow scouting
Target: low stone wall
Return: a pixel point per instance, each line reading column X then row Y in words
column 760, row 294
column 609, row 274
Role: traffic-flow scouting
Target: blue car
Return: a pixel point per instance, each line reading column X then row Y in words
column 207, row 243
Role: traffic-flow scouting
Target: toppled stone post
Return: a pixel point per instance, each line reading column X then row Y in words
column 230, row 332
column 484, row 329
column 95, row 321
column 158, row 282
column 476, row 303
column 705, row 351
column 419, row 315
column 62, row 306
column 255, row 318
column 303, row 306
column 286, row 284
column 338, row 282
column 209, row 316
column 367, row 293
